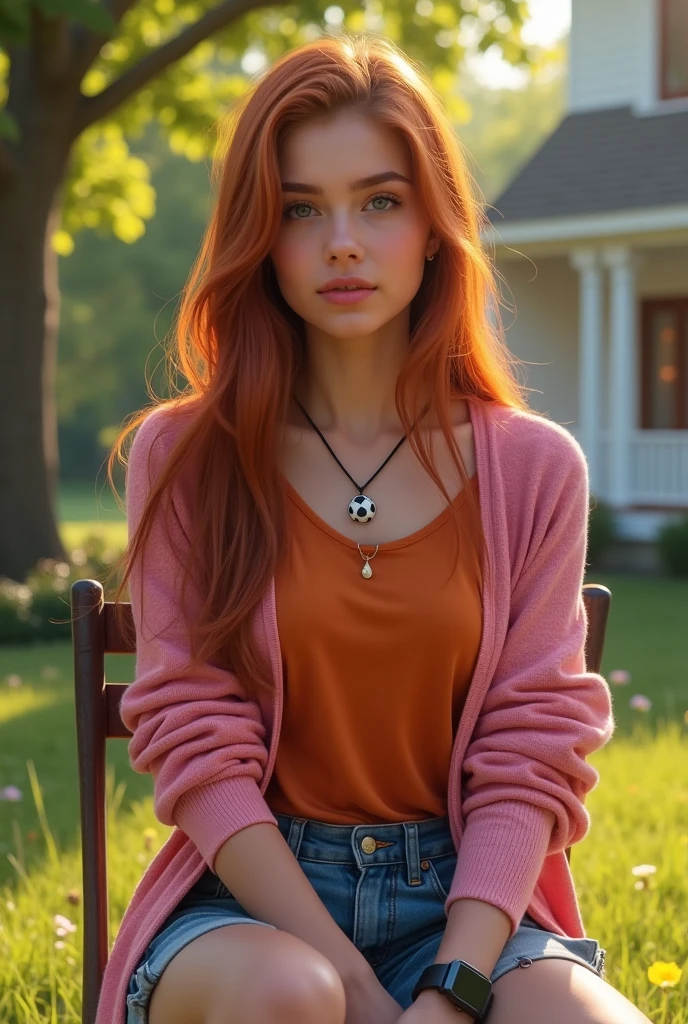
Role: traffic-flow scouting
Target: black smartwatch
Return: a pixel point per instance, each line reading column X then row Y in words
column 465, row 987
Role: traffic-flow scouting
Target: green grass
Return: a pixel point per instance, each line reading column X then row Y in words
column 639, row 810
column 84, row 509
column 85, row 502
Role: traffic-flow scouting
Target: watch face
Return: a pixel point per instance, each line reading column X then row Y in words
column 469, row 985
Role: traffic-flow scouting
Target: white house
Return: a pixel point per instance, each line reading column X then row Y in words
column 591, row 239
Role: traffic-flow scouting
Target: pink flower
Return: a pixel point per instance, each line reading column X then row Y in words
column 640, row 703
column 14, row 681
column 619, row 676
column 10, row 793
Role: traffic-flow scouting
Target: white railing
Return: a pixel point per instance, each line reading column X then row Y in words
column 658, row 467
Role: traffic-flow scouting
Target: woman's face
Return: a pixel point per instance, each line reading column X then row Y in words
column 335, row 225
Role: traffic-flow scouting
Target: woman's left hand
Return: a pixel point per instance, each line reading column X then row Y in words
column 431, row 1007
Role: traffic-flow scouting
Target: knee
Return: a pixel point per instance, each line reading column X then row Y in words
column 304, row 990
column 284, row 981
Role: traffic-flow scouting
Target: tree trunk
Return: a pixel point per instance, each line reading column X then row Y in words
column 29, row 314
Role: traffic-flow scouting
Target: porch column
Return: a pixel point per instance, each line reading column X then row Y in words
column 586, row 262
column 622, row 372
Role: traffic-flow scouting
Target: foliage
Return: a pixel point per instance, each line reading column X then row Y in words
column 506, row 126
column 672, row 544
column 107, row 188
column 39, row 608
column 15, row 16
column 602, row 529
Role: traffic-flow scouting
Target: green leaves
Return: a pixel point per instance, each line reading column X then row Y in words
column 9, row 128
column 15, row 16
column 90, row 13
column 108, row 189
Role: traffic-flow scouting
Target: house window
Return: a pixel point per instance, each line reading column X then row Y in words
column 664, row 367
column 674, row 60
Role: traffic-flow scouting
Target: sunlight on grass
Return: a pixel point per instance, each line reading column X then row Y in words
column 73, row 534
column 631, row 876
column 14, row 705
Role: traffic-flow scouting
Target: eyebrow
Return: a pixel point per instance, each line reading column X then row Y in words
column 355, row 186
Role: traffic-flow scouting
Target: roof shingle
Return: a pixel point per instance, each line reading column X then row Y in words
column 600, row 161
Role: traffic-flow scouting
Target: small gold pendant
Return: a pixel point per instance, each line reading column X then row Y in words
column 366, row 571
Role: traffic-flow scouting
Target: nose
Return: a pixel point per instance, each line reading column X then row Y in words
column 342, row 243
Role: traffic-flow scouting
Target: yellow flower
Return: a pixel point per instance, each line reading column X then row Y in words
column 666, row 975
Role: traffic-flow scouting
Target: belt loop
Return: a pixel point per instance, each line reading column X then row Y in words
column 412, row 853
column 296, row 834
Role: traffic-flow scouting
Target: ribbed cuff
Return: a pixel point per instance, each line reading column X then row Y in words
column 502, row 851
column 211, row 813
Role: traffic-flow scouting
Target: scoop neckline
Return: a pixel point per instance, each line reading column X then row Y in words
column 389, row 545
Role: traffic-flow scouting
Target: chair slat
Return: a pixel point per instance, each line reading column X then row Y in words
column 116, row 729
column 115, row 641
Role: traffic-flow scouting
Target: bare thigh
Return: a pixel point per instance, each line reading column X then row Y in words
column 562, row 991
column 246, row 974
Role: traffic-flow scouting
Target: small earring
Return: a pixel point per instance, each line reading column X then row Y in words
column 429, row 258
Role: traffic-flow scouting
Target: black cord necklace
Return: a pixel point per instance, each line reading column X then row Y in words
column 361, row 508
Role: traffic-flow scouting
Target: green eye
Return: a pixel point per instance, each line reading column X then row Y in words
column 300, row 204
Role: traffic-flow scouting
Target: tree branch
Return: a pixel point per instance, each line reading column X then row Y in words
column 93, row 108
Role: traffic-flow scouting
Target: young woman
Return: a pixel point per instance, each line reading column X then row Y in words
column 355, row 570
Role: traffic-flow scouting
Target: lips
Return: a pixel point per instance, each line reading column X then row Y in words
column 347, row 284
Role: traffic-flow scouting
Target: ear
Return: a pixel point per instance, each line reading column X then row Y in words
column 432, row 246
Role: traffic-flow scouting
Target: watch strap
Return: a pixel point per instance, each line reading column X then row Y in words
column 435, row 975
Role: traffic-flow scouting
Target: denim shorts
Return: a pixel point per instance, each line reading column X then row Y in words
column 385, row 886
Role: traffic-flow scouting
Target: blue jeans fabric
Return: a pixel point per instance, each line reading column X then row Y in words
column 385, row 886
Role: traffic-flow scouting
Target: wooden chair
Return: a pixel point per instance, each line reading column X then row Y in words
column 95, row 634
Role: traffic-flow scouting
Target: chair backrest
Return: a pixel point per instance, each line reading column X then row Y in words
column 95, row 634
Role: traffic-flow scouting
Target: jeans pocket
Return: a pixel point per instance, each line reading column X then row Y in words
column 441, row 871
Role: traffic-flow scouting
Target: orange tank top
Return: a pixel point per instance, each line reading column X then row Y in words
column 376, row 671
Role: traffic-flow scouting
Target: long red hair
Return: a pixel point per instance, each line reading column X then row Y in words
column 238, row 343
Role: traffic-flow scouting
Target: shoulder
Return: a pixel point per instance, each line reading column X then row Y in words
column 155, row 438
column 529, row 446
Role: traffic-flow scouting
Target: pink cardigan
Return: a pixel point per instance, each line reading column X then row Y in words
column 532, row 715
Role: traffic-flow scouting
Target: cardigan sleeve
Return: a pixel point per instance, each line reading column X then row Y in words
column 525, row 774
column 194, row 731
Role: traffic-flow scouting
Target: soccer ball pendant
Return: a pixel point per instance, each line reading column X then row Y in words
column 361, row 508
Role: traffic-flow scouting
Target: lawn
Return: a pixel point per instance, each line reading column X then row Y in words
column 85, row 509
column 639, row 810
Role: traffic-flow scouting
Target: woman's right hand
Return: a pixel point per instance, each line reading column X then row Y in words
column 369, row 1002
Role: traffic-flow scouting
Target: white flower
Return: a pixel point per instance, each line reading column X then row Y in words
column 10, row 793
column 63, row 925
column 643, row 870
